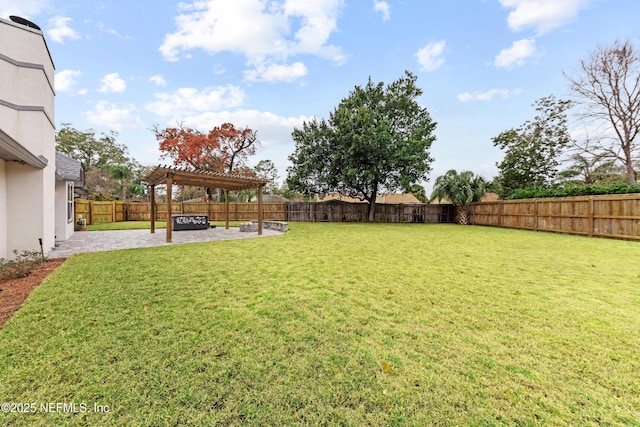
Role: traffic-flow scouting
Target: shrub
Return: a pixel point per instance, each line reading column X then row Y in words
column 577, row 190
column 21, row 266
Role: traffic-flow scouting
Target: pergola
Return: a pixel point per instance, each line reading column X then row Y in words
column 227, row 182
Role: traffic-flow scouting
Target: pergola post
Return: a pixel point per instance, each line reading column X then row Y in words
column 169, row 212
column 226, row 209
column 260, row 213
column 153, row 209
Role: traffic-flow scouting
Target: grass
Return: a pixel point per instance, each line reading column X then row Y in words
column 137, row 225
column 337, row 324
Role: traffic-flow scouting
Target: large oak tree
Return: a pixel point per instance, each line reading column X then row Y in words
column 378, row 138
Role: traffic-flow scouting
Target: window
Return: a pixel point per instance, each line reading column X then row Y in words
column 69, row 202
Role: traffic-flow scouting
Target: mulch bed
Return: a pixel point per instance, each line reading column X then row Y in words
column 13, row 292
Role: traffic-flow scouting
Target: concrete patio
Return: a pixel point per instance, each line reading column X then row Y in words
column 98, row 241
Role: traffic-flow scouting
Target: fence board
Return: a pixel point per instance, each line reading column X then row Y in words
column 101, row 212
column 120, row 211
column 82, row 211
column 616, row 216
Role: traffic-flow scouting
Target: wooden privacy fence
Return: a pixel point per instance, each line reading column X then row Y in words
column 96, row 212
column 616, row 216
column 116, row 211
column 240, row 211
column 358, row 212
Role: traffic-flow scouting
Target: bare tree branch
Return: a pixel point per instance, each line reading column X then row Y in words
column 608, row 85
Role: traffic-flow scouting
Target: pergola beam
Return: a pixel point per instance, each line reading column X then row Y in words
column 227, row 182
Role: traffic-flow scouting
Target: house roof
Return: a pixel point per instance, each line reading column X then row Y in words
column 274, row 198
column 489, row 197
column 395, row 199
column 335, row 197
column 68, row 169
column 399, row 198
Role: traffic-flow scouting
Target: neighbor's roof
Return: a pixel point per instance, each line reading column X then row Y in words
column 226, row 181
column 274, row 198
column 399, row 198
column 69, row 169
column 380, row 199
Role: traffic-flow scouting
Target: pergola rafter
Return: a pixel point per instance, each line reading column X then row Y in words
column 182, row 176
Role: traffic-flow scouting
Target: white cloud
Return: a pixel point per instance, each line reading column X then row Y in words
column 272, row 129
column 188, row 101
column 158, row 80
column 383, row 8
column 517, row 54
column 66, row 79
column 111, row 31
column 276, row 72
column 430, row 56
column 488, row 95
column 59, row 29
column 112, row 83
column 23, row 8
column 263, row 32
column 113, row 116
column 542, row 15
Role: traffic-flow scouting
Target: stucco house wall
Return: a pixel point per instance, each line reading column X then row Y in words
column 27, row 141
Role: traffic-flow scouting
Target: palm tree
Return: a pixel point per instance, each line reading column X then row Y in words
column 123, row 174
column 591, row 169
column 461, row 189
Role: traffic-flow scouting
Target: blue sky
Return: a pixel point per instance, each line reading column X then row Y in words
column 271, row 64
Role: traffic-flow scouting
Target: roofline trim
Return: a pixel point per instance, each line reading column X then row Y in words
column 16, row 150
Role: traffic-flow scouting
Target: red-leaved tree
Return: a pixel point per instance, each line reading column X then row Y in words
column 224, row 149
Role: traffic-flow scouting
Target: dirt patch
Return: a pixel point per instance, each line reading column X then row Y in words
column 13, row 292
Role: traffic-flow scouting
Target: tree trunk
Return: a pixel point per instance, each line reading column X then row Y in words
column 372, row 209
column 631, row 173
column 462, row 215
column 372, row 203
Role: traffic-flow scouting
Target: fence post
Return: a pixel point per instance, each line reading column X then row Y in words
column 535, row 214
column 590, row 219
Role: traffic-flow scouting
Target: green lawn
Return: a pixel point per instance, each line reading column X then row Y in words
column 337, row 324
column 136, row 225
